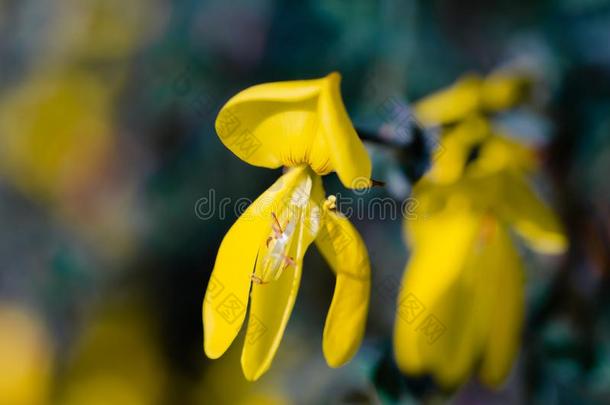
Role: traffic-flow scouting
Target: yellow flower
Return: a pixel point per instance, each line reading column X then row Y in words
column 64, row 151
column 472, row 94
column 473, row 145
column 461, row 302
column 212, row 388
column 65, row 139
column 462, row 110
column 302, row 125
column 27, row 357
column 116, row 359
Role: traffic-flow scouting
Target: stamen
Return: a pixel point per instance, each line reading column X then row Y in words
column 289, row 261
column 282, row 243
column 257, row 280
column 277, row 246
column 330, row 203
column 277, row 228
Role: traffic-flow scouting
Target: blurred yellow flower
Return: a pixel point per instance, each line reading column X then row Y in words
column 58, row 142
column 25, row 357
column 212, row 388
column 461, row 302
column 106, row 31
column 302, row 125
column 58, row 146
column 472, row 94
column 116, row 361
column 55, row 133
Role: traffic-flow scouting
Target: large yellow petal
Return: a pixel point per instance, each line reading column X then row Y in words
column 292, row 123
column 272, row 302
column 345, row 252
column 508, row 310
column 424, row 323
column 530, row 217
column 226, row 298
column 470, row 304
column 451, row 104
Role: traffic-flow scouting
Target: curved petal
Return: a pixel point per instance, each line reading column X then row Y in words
column 272, row 302
column 287, row 92
column 272, row 305
column 425, row 333
column 345, row 252
column 453, row 306
column 531, row 218
column 468, row 306
column 508, row 310
column 348, row 155
column 451, row 104
column 293, row 123
column 270, row 124
column 226, row 297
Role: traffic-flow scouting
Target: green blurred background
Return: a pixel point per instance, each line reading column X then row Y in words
column 107, row 144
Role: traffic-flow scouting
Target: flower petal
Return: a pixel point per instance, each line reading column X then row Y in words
column 508, row 310
column 503, row 90
column 272, row 124
column 530, row 217
column 272, row 302
column 424, row 331
column 469, row 305
column 292, row 123
column 499, row 152
column 450, row 305
column 451, row 104
column 456, row 145
column 345, row 252
column 348, row 155
column 226, row 298
column 270, row 310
